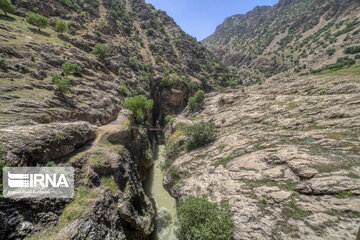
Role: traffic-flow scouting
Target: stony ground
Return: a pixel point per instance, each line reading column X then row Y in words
column 286, row 157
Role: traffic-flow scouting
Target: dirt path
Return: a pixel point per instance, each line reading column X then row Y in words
column 117, row 124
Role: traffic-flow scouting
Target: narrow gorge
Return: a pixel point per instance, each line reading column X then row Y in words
column 252, row 133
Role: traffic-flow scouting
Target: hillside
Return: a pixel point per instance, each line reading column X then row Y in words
column 57, row 89
column 285, row 156
column 293, row 37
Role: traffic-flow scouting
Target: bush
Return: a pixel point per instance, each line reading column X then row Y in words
column 200, row 219
column 221, row 101
column 168, row 118
column 70, row 68
column 133, row 63
column 101, row 50
column 166, row 82
column 340, row 63
column 196, row 101
column 138, row 106
column 37, row 20
column 150, row 32
column 357, row 56
column 199, row 135
column 330, row 52
column 352, row 50
column 61, row 26
column 63, row 84
column 7, row 6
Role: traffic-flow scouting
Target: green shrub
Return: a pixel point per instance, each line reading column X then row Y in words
column 133, row 63
column 67, row 2
column 166, row 82
column 330, row 52
column 7, row 6
column 101, row 50
column 120, row 71
column 168, row 118
column 200, row 219
column 199, row 135
column 222, row 101
column 352, row 50
column 340, row 63
column 357, row 56
column 63, row 84
column 3, row 63
column 196, row 101
column 150, row 32
column 138, row 106
column 37, row 20
column 70, row 68
column 61, row 26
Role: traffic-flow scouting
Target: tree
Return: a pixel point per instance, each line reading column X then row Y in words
column 7, row 6
column 61, row 26
column 37, row 20
column 63, row 84
column 199, row 135
column 196, row 101
column 101, row 50
column 70, row 68
column 200, row 219
column 138, row 106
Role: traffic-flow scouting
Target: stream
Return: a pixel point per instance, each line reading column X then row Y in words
column 165, row 204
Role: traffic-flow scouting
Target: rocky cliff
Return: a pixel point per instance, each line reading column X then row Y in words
column 286, row 157
column 290, row 38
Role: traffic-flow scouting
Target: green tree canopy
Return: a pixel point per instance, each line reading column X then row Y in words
column 70, row 68
column 200, row 219
column 61, row 26
column 37, row 20
column 138, row 106
column 7, row 6
column 101, row 50
column 199, row 135
column 197, row 100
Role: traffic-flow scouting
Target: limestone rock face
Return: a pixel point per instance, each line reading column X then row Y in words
column 109, row 200
column 286, row 157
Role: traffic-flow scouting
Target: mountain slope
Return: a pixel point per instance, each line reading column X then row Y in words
column 285, row 156
column 294, row 36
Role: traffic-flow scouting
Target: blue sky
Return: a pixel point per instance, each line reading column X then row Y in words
column 199, row 18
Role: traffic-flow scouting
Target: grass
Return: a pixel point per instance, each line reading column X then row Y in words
column 332, row 167
column 292, row 106
column 224, row 161
column 352, row 175
column 291, row 210
column 109, row 182
column 46, row 34
column 345, row 194
column 180, row 131
column 78, row 208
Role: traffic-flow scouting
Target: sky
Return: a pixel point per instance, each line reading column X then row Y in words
column 199, row 18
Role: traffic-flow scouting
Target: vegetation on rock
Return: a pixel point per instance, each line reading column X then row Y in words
column 37, row 20
column 197, row 100
column 101, row 50
column 7, row 7
column 61, row 26
column 139, row 105
column 199, row 135
column 63, row 84
column 200, row 219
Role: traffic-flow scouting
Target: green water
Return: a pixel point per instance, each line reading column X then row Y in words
column 165, row 204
